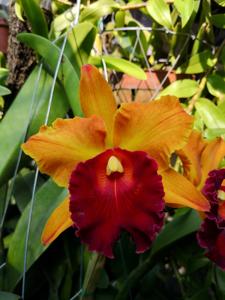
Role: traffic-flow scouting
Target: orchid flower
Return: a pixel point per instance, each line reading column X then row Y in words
column 114, row 162
column 200, row 160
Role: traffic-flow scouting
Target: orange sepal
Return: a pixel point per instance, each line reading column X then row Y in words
column 159, row 128
column 96, row 97
column 59, row 148
column 179, row 190
column 190, row 156
column 58, row 222
column 211, row 157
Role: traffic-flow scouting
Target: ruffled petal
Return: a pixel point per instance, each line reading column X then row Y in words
column 96, row 97
column 130, row 198
column 58, row 222
column 190, row 156
column 159, row 127
column 180, row 191
column 59, row 148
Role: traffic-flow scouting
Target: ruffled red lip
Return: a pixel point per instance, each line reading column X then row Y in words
column 102, row 205
column 211, row 235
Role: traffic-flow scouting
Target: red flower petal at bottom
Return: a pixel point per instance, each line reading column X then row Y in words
column 102, row 205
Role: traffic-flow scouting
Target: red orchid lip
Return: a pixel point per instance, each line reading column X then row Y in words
column 211, row 235
column 102, row 205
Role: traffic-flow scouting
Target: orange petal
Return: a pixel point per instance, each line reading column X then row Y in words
column 211, row 157
column 179, row 190
column 59, row 148
column 190, row 156
column 158, row 127
column 96, row 96
column 58, row 222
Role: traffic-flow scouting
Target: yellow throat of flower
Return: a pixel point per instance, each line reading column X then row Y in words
column 114, row 165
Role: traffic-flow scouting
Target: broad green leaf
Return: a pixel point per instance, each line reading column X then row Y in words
column 67, row 75
column 212, row 133
column 179, row 227
column 210, row 113
column 13, row 125
column 219, row 20
column 119, row 64
column 79, row 44
column 181, row 88
column 4, row 91
column 63, row 21
column 160, row 12
column 220, row 2
column 198, row 63
column 8, row 296
column 185, row 9
column 216, row 85
column 47, row 199
column 98, row 9
column 35, row 17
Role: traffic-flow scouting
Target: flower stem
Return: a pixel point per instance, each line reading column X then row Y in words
column 94, row 268
column 134, row 277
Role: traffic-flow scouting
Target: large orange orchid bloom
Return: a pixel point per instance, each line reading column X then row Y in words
column 110, row 161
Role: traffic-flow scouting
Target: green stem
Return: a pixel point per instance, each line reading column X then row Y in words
column 134, row 277
column 94, row 268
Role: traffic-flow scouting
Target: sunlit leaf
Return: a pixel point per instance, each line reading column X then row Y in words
column 210, row 113
column 216, row 85
column 13, row 125
column 119, row 64
column 185, row 9
column 181, row 88
column 160, row 12
column 98, row 9
column 198, row 63
column 220, row 2
column 4, row 91
column 35, row 17
column 67, row 75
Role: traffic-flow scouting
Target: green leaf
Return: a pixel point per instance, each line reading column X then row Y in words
column 67, row 75
column 3, row 74
column 35, row 17
column 19, row 113
column 119, row 64
column 212, row 133
column 210, row 113
column 216, row 85
column 181, row 88
column 160, row 12
column 47, row 198
column 198, row 63
column 220, row 2
column 8, row 296
column 4, row 91
column 219, row 20
column 79, row 44
column 179, row 227
column 98, row 9
column 185, row 9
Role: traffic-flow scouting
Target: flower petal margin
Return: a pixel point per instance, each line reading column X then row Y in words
column 131, row 201
column 179, row 190
column 96, row 96
column 59, row 148
column 159, row 127
column 211, row 158
column 58, row 222
column 190, row 156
